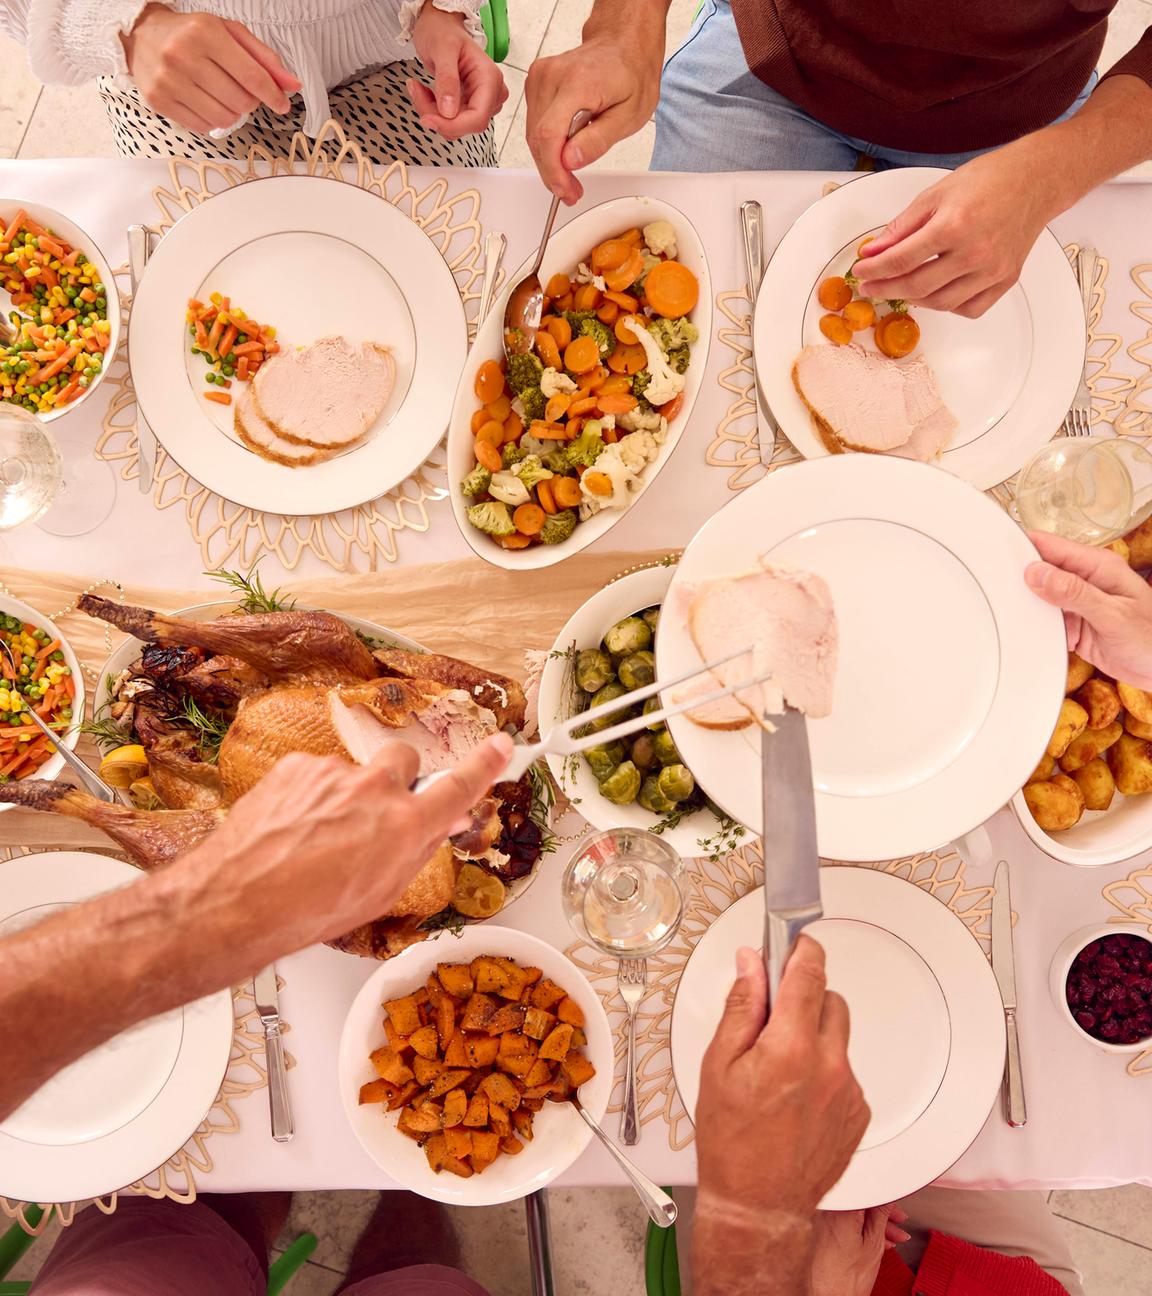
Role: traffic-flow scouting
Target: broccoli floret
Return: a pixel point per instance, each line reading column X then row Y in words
column 678, row 359
column 524, row 371
column 587, row 447
column 640, row 383
column 670, row 334
column 476, row 483
column 492, row 518
column 511, row 454
column 600, row 333
column 556, row 461
column 534, row 402
column 558, row 527
column 576, row 319
column 530, row 471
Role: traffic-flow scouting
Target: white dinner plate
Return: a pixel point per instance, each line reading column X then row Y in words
column 950, row 673
column 927, row 1037
column 559, row 1135
column 313, row 257
column 1009, row 377
column 117, row 1113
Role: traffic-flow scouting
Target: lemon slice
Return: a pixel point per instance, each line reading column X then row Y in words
column 124, row 765
column 144, row 795
column 478, row 893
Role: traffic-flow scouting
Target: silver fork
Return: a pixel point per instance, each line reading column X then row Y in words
column 631, row 982
column 1078, row 420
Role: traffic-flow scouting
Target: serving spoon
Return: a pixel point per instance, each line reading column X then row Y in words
column 525, row 307
column 660, row 1207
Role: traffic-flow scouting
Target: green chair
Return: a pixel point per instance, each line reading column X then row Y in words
column 661, row 1261
column 15, row 1242
column 494, row 16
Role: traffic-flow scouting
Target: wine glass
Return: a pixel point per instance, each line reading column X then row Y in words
column 61, row 488
column 620, row 892
column 1090, row 489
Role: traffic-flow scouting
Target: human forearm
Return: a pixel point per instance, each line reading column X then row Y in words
column 647, row 19
column 737, row 1251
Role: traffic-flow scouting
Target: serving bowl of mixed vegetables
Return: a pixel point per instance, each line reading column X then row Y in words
column 548, row 450
column 605, row 652
column 59, row 299
column 47, row 680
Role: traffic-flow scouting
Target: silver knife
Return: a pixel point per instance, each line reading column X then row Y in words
column 752, row 227
column 268, row 1006
column 138, row 249
column 1003, row 964
column 788, row 841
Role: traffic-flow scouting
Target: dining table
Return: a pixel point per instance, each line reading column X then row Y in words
column 1088, row 1124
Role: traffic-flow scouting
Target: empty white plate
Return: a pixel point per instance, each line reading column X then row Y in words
column 927, row 1037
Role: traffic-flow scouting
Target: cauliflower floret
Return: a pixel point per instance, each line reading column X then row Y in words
column 555, row 383
column 660, row 236
column 584, row 275
column 638, row 450
column 649, row 420
column 665, row 382
column 621, row 479
column 507, row 487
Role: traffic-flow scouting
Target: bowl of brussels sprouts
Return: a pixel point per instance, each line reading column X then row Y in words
column 606, row 651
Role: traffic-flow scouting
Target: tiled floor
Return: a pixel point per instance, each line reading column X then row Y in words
column 1110, row 1231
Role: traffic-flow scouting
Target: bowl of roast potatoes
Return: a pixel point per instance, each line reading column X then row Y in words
column 1087, row 801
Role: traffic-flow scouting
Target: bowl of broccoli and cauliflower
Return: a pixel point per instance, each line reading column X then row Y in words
column 547, row 451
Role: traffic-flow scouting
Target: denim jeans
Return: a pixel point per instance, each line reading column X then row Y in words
column 715, row 115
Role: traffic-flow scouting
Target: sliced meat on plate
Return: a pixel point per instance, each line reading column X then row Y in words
column 261, row 437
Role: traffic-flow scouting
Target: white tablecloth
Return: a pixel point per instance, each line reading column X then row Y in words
column 1088, row 1120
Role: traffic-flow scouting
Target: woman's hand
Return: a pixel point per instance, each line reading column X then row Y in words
column 1107, row 606
column 849, row 1247
column 469, row 88
column 201, row 72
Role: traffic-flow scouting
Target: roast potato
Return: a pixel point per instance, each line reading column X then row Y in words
column 1100, row 700
column 1088, row 744
column 1079, row 672
column 1056, row 804
column 1130, row 760
column 1044, row 770
column 1096, row 783
column 1139, row 544
column 1122, row 548
column 1137, row 702
column 1073, row 721
column 1138, row 728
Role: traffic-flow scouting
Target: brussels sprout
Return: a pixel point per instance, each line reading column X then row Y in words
column 633, row 634
column 651, row 798
column 602, row 760
column 609, row 693
column 622, row 785
column 643, row 752
column 652, row 616
column 666, row 751
column 676, row 782
column 593, row 669
column 654, row 704
column 637, row 670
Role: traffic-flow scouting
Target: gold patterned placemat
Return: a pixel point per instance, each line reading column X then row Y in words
column 358, row 539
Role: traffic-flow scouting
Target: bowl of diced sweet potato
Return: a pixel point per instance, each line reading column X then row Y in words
column 457, row 1065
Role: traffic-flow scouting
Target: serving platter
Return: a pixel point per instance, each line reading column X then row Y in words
column 950, row 673
column 927, row 1042
column 114, row 1115
column 559, row 1135
column 1008, row 377
column 567, row 247
column 315, row 258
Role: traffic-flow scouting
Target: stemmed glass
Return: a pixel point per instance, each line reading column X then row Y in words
column 67, row 494
column 1090, row 489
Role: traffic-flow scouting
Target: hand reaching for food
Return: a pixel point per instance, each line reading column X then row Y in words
column 1107, row 606
column 849, row 1248
column 960, row 245
column 202, row 72
column 469, row 88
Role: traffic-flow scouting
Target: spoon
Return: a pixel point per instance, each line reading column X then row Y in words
column 525, row 308
column 92, row 782
column 660, row 1207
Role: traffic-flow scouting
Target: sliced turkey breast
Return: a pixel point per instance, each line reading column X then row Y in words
column 261, row 438
column 326, row 395
column 787, row 620
column 861, row 400
column 726, row 713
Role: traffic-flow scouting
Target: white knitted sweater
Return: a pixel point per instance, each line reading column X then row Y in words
column 323, row 42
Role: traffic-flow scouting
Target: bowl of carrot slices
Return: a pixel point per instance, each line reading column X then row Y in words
column 59, row 297
column 547, row 451
column 47, row 680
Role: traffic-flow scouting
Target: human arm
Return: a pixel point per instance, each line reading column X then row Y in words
column 299, row 859
column 1107, row 606
column 961, row 244
column 779, row 1116
column 614, row 73
column 469, row 88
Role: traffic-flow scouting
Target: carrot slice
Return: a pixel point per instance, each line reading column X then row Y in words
column 673, row 407
column 624, row 332
column 478, row 419
column 500, row 408
column 628, row 273
column 487, row 456
column 528, row 519
column 616, row 403
column 625, row 301
column 565, row 491
column 561, row 330
column 581, row 355
column 587, row 297
column 492, row 432
column 219, row 397
column 557, row 407
column 513, row 427
column 672, row 289
column 607, row 312
column 558, row 285
column 545, row 496
column 514, row 541
column 610, row 255
column 489, row 381
column 547, row 349
column 545, row 431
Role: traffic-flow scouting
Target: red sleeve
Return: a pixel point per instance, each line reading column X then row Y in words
column 894, row 1278
column 1137, row 62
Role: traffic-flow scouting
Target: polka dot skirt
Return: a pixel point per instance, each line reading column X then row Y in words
column 374, row 110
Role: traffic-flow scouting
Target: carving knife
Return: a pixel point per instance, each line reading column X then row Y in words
column 268, row 1006
column 788, row 840
column 1004, row 966
column 145, row 438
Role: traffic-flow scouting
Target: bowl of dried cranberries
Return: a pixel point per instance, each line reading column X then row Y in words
column 1101, row 979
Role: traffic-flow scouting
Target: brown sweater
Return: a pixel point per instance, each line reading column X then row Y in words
column 931, row 76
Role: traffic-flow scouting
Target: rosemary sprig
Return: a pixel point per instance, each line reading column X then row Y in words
column 255, row 597
column 209, row 725
column 446, row 920
column 106, row 732
column 543, row 802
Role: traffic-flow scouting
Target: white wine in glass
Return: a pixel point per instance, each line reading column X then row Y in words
column 31, row 469
column 1090, row 489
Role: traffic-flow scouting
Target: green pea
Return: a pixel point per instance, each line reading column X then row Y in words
column 210, row 377
column 57, row 656
column 66, row 713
